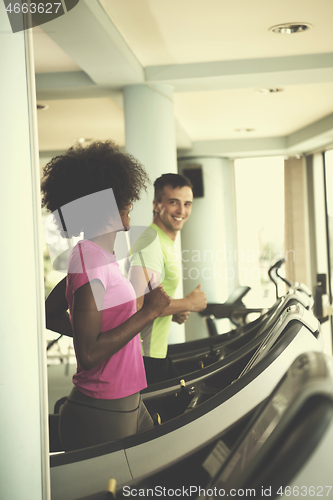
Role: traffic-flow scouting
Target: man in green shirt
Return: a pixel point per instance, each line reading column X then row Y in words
column 157, row 262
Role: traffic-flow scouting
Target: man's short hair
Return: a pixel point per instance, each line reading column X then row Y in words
column 174, row 180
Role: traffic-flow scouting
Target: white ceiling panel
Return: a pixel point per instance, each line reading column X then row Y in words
column 217, row 114
column 213, row 52
column 66, row 121
column 187, row 31
column 49, row 57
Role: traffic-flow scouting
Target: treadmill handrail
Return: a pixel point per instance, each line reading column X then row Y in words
column 289, row 314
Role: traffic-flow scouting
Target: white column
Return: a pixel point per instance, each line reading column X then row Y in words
column 151, row 138
column 24, row 472
column 209, row 238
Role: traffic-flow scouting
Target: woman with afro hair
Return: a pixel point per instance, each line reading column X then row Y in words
column 91, row 190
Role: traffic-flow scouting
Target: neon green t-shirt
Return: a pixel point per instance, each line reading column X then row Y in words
column 159, row 256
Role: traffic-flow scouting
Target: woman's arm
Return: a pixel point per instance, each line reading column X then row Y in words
column 94, row 346
column 56, row 310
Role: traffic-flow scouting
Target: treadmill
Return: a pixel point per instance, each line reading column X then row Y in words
column 193, row 355
column 229, row 359
column 81, row 473
column 283, row 450
column 196, row 349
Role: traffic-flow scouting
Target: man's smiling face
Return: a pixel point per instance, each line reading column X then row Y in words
column 173, row 210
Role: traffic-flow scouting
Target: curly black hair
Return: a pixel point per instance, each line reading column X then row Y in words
column 84, row 170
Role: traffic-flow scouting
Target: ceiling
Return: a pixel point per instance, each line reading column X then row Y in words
column 217, row 54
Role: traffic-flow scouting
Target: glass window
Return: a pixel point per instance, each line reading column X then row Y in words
column 259, row 186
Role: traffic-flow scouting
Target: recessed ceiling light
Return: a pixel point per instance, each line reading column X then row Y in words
column 244, row 129
column 297, row 157
column 273, row 90
column 42, row 106
column 290, row 28
column 83, row 140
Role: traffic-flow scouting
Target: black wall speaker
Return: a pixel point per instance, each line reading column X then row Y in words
column 196, row 177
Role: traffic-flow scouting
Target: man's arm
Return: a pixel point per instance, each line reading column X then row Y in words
column 195, row 301
column 180, row 318
column 56, row 310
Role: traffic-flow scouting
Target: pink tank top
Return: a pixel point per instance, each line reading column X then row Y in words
column 123, row 374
